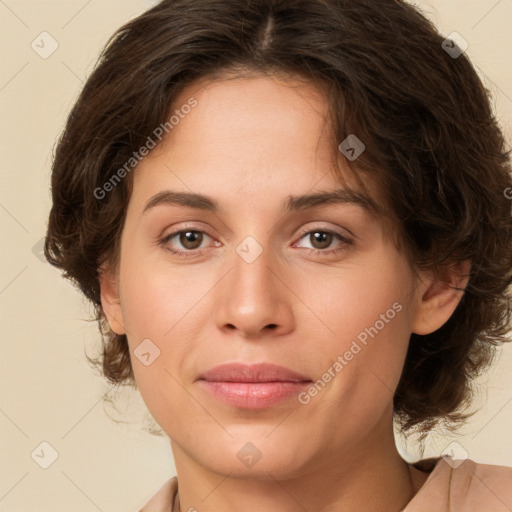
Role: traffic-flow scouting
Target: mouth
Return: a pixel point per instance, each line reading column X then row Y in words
column 252, row 373
column 256, row 386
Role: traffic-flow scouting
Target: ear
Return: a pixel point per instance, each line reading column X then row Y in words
column 439, row 295
column 110, row 299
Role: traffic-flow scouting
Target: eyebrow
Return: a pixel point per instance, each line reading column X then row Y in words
column 293, row 203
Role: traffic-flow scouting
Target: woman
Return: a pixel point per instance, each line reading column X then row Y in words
column 292, row 219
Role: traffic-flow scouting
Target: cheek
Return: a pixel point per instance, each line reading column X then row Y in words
column 162, row 312
column 156, row 296
column 366, row 313
column 347, row 303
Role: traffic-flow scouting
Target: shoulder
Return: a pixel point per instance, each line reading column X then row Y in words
column 463, row 486
column 163, row 500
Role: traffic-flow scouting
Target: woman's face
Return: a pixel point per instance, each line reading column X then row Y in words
column 315, row 287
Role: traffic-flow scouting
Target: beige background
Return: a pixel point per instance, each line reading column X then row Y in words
column 48, row 391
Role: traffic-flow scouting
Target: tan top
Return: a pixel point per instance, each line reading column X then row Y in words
column 456, row 487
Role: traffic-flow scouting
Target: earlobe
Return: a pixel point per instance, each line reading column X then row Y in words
column 110, row 300
column 439, row 297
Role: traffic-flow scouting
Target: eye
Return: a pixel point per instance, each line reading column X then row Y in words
column 189, row 239
column 321, row 239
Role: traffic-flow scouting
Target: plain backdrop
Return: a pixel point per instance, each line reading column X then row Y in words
column 49, row 394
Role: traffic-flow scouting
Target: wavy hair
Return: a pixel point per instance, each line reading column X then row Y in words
column 433, row 146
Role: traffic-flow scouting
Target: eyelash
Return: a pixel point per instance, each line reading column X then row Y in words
column 191, row 253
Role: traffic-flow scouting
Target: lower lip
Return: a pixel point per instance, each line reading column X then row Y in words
column 253, row 395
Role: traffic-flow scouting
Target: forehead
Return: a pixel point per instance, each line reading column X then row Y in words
column 239, row 117
column 252, row 90
column 260, row 134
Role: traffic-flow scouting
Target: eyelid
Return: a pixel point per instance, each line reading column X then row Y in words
column 334, row 231
column 185, row 227
column 301, row 233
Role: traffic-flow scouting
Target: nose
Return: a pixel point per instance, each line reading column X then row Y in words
column 255, row 298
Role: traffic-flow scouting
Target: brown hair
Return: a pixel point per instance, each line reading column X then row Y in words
column 432, row 144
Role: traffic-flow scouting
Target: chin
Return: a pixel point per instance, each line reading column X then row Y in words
column 252, row 455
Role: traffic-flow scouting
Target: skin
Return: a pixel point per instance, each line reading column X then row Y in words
column 250, row 143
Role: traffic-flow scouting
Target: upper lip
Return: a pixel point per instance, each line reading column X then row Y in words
column 261, row 372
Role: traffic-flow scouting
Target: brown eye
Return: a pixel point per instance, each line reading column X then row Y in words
column 322, row 239
column 186, row 242
column 190, row 239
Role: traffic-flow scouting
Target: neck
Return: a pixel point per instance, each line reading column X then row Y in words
column 372, row 476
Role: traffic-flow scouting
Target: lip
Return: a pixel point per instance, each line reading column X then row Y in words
column 254, row 386
column 261, row 372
